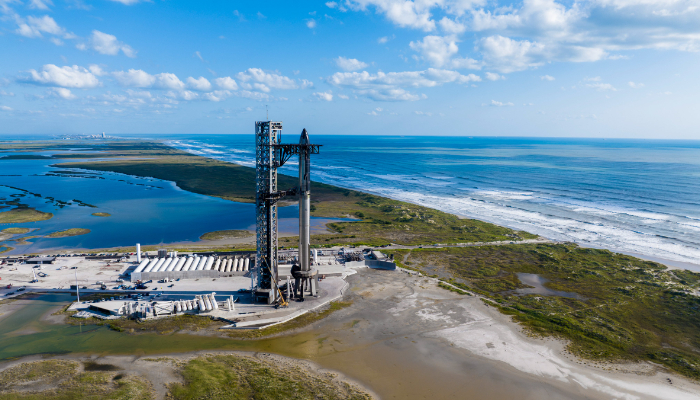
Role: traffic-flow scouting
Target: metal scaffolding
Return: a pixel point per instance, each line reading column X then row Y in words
column 270, row 155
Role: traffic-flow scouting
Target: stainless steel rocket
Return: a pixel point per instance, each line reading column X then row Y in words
column 304, row 200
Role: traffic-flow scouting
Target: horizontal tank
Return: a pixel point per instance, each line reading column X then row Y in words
column 142, row 265
column 235, row 266
column 217, row 264
column 246, row 265
column 180, row 263
column 188, row 264
column 210, row 262
column 150, row 265
column 213, row 302
column 165, row 265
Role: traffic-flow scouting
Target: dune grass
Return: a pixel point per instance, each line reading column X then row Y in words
column 68, row 233
column 631, row 309
column 226, row 234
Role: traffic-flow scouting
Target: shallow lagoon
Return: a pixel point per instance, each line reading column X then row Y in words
column 144, row 210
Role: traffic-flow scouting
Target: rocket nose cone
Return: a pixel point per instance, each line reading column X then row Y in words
column 304, row 139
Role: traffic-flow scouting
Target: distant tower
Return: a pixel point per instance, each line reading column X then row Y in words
column 103, row 135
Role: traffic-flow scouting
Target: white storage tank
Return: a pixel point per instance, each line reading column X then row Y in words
column 217, row 264
column 142, row 265
column 165, row 265
column 210, row 262
column 246, row 265
column 236, row 262
column 180, row 263
column 150, row 265
column 188, row 264
column 213, row 302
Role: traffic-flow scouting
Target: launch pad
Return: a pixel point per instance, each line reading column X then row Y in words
column 271, row 154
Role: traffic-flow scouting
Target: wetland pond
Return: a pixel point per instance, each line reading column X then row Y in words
column 537, row 282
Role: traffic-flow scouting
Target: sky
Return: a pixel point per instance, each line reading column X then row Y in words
column 589, row 68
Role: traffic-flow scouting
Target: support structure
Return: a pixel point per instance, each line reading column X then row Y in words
column 270, row 155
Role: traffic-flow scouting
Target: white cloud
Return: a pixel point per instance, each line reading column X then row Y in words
column 170, row 81
column 105, row 43
column 4, row 93
column 403, row 13
column 134, row 78
column 635, row 85
column 257, row 79
column 217, row 95
column 601, row 86
column 427, row 114
column 325, row 96
column 385, row 39
column 376, row 111
column 495, row 103
column 547, row 78
column 201, row 84
column 199, row 55
column 342, row 96
column 40, row 4
column 227, row 83
column 492, row 76
column 5, row 108
column 311, row 23
column 62, row 93
column 451, row 27
column 71, row 77
column 96, row 70
column 350, row 64
column 331, row 4
column 437, row 50
column 390, row 86
column 35, row 26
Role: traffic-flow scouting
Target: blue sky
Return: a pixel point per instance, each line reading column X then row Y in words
column 592, row 68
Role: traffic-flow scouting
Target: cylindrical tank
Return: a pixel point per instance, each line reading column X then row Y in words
column 158, row 265
column 188, row 264
column 142, row 265
column 210, row 262
column 138, row 252
column 246, row 265
column 150, row 265
column 189, row 305
column 227, row 267
column 235, row 264
column 180, row 262
column 207, row 303
column 213, row 302
column 178, row 308
column 202, row 307
column 173, row 264
column 217, row 265
column 165, row 265
column 202, row 263
column 194, row 264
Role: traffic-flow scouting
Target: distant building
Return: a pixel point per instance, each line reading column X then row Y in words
column 41, row 260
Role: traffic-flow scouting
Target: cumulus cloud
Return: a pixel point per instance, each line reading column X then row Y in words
column 68, row 77
column 257, row 79
column 62, row 93
column 311, row 23
column 492, row 76
column 5, row 108
column 547, row 78
column 385, row 39
column 33, row 27
column 531, row 33
column 226, row 83
column 350, row 64
column 390, row 86
column 325, row 96
column 134, row 78
column 105, row 43
column 201, row 84
column 634, row 85
column 127, row 2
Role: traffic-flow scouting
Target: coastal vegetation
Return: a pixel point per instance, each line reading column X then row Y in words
column 226, row 234
column 16, row 231
column 68, row 232
column 244, row 377
column 63, row 379
column 102, row 214
column 23, row 214
column 626, row 308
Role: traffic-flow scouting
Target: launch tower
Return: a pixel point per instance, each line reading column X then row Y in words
column 270, row 154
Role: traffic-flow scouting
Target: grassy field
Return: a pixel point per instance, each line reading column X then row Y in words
column 68, row 232
column 239, row 377
column 16, row 231
column 227, row 234
column 629, row 309
column 61, row 380
column 23, row 214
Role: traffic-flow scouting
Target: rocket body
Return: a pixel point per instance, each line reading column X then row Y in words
column 304, row 201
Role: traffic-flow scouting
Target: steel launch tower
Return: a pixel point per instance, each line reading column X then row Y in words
column 270, row 154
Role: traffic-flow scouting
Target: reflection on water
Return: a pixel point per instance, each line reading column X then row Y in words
column 537, row 282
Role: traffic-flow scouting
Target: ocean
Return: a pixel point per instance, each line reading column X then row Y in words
column 632, row 196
